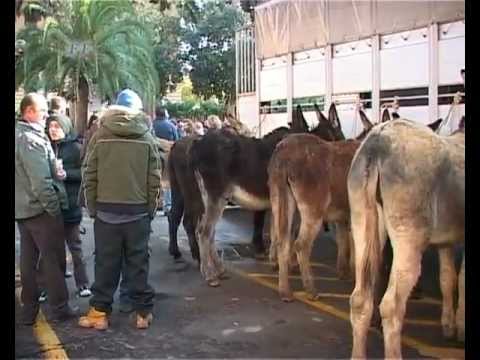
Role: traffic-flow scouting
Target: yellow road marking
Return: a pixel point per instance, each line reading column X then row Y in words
column 49, row 343
column 422, row 347
column 326, row 278
column 423, row 300
column 313, row 264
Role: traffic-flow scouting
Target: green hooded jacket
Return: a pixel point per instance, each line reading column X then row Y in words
column 121, row 169
column 36, row 188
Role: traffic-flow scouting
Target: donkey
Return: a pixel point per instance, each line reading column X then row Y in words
column 186, row 199
column 406, row 182
column 310, row 174
column 234, row 167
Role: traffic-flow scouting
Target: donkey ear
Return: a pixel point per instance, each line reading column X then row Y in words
column 434, row 125
column 298, row 121
column 385, row 115
column 320, row 117
column 333, row 117
column 367, row 124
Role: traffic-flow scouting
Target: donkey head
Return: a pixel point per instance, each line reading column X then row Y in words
column 434, row 125
column 324, row 130
column 335, row 122
column 321, row 118
column 461, row 125
column 367, row 125
column 385, row 115
column 298, row 125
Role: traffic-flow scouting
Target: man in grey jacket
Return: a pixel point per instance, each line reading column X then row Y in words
column 39, row 198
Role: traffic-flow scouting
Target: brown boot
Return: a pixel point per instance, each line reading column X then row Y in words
column 143, row 322
column 94, row 319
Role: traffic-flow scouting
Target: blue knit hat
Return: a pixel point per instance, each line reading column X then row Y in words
column 129, row 99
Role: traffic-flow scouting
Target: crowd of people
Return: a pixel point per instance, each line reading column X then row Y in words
column 113, row 171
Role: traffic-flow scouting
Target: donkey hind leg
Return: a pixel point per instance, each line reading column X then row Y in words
column 189, row 222
column 309, row 229
column 257, row 239
column 406, row 268
column 342, row 238
column 174, row 219
column 362, row 298
column 283, row 208
column 293, row 263
column 219, row 267
column 210, row 263
column 204, row 232
column 448, row 285
column 460, row 317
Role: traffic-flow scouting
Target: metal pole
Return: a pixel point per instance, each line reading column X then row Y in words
column 249, row 60
column 328, row 75
column 289, row 86
column 237, row 85
column 244, row 58
column 376, row 77
column 258, row 67
column 433, row 72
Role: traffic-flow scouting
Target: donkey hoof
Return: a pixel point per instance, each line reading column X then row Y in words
column 286, row 297
column 448, row 331
column 461, row 335
column 213, row 283
column 224, row 276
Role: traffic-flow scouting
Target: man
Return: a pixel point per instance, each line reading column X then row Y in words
column 163, row 128
column 122, row 185
column 39, row 199
column 58, row 107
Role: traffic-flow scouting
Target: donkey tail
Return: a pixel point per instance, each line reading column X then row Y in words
column 363, row 184
column 372, row 227
column 281, row 200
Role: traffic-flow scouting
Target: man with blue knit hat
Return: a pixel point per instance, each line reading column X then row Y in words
column 121, row 172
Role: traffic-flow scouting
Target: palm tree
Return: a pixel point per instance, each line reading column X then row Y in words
column 98, row 43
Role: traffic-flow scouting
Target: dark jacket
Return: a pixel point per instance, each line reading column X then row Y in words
column 164, row 129
column 121, row 170
column 68, row 150
column 36, row 188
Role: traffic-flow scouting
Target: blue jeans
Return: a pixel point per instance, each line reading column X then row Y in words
column 167, row 200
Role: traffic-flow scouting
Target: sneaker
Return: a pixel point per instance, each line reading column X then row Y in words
column 68, row 274
column 143, row 322
column 94, row 319
column 43, row 297
column 84, row 291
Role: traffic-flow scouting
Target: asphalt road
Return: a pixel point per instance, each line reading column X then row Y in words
column 244, row 318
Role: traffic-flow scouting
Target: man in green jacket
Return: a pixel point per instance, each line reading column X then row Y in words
column 39, row 198
column 121, row 174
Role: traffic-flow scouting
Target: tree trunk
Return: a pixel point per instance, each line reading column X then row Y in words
column 81, row 106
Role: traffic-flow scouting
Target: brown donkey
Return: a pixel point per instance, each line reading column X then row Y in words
column 408, row 183
column 234, row 167
column 309, row 174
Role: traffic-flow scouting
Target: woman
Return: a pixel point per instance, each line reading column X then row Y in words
column 67, row 149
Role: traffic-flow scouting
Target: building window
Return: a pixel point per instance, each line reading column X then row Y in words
column 245, row 64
